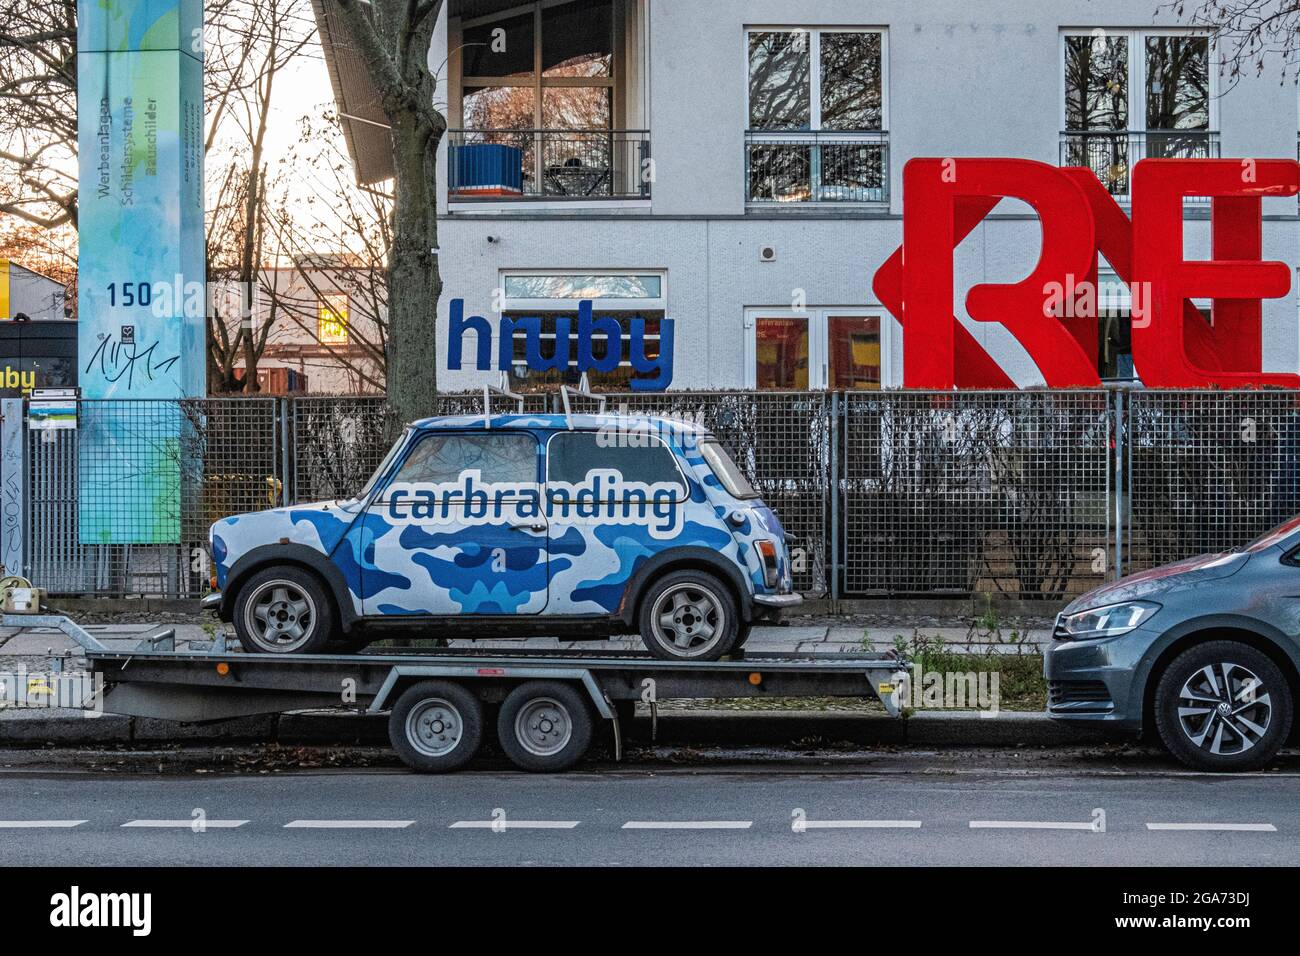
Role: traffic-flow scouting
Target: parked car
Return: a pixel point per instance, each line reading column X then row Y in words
column 514, row 525
column 1205, row 651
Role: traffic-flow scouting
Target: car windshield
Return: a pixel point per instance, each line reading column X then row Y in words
column 732, row 478
column 1278, row 534
column 384, row 465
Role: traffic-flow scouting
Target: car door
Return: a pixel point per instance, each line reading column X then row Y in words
column 613, row 501
column 459, row 530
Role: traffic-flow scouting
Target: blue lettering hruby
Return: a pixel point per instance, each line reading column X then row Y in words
column 657, row 370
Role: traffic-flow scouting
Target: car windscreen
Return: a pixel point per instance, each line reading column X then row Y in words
column 726, row 470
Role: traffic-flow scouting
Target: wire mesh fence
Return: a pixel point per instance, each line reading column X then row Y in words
column 968, row 492
column 121, row 505
column 1207, row 471
column 1030, row 494
column 781, row 441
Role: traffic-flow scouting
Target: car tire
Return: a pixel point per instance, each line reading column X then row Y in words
column 1223, row 706
column 284, row 610
column 436, row 726
column 688, row 616
column 545, row 726
column 742, row 635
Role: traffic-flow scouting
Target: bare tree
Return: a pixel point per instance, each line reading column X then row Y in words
column 393, row 37
column 38, row 111
column 251, row 43
column 1249, row 33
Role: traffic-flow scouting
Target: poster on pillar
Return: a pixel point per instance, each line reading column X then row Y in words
column 141, row 299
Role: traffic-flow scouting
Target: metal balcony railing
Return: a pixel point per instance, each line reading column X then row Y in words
column 812, row 167
column 1112, row 154
column 548, row 164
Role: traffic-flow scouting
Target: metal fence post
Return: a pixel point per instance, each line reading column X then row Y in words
column 13, row 520
column 833, row 478
column 287, row 490
column 1117, row 409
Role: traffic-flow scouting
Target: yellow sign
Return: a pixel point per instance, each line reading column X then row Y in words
column 4, row 289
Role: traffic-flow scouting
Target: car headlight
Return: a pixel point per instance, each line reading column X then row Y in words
column 1111, row 620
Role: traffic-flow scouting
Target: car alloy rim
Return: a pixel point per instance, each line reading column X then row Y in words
column 688, row 620
column 434, row 727
column 543, row 726
column 280, row 616
column 1224, row 709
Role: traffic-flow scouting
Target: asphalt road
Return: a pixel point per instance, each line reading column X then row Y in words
column 717, row 816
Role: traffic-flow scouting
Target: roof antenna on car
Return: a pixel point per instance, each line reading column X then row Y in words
column 582, row 391
column 504, row 391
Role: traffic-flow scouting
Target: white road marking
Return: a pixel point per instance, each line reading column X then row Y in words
column 39, row 824
column 348, row 824
column 860, row 824
column 514, row 825
column 1234, row 827
column 186, row 824
column 1028, row 825
column 688, row 824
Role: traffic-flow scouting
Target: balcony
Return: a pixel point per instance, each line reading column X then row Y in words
column 791, row 169
column 1111, row 154
column 548, row 165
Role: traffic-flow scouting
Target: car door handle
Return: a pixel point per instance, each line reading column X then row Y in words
column 528, row 526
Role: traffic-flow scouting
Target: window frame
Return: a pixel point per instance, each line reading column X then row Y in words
column 1137, row 65
column 395, row 470
column 815, row 76
column 819, row 357
column 537, row 81
column 598, row 306
column 684, row 488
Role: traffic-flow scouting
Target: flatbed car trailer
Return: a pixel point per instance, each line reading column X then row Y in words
column 549, row 701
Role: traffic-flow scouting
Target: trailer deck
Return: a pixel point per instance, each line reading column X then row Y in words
column 547, row 699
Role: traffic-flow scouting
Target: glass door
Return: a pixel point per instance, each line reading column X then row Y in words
column 842, row 349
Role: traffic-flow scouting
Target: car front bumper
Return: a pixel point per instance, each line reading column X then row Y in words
column 772, row 607
column 210, row 601
column 1095, row 682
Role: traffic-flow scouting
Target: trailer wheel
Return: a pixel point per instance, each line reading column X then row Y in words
column 436, row 726
column 545, row 726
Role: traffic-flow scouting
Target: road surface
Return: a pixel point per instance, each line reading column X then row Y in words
column 716, row 815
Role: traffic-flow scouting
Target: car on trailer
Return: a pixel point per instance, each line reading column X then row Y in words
column 516, row 525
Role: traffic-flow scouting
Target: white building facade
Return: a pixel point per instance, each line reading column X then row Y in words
column 736, row 165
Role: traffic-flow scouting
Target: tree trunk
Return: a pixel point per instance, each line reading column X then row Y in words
column 414, row 283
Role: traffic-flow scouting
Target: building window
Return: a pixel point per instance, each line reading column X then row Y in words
column 540, row 96
column 817, row 116
column 550, row 295
column 841, row 349
column 1130, row 95
column 332, row 319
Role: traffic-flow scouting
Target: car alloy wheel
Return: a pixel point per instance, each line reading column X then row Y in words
column 280, row 616
column 1224, row 709
column 689, row 618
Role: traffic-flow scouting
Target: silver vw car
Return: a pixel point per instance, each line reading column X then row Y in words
column 1205, row 651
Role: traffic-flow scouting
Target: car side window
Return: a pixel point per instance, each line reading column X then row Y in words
column 571, row 456
column 498, row 458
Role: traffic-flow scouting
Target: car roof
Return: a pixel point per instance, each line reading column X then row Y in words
column 558, row 422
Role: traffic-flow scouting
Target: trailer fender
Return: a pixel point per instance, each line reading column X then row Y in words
column 460, row 672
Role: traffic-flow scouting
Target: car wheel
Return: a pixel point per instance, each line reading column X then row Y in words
column 689, row 616
column 544, row 726
column 284, row 610
column 742, row 635
column 436, row 726
column 1223, row 705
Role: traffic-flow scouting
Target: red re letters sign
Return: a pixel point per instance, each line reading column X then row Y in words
column 1173, row 346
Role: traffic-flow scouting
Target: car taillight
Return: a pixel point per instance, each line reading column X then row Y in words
column 771, row 569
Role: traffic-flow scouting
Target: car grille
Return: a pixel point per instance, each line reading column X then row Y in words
column 1083, row 694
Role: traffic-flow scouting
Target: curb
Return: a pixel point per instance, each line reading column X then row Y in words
column 705, row 727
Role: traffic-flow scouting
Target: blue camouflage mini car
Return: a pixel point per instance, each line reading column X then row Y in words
column 577, row 526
